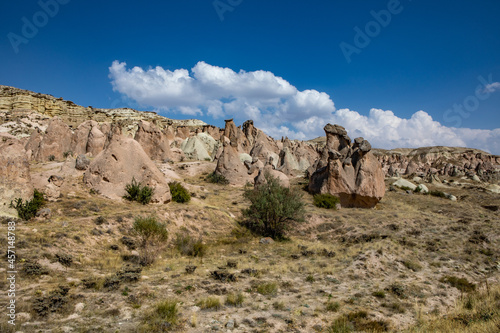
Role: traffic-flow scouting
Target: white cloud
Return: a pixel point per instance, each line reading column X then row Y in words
column 280, row 109
column 492, row 87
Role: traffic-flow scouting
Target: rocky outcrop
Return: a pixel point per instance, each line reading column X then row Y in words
column 269, row 170
column 113, row 168
column 230, row 166
column 351, row 172
column 200, row 147
column 443, row 161
column 15, row 179
column 18, row 103
column 55, row 142
column 153, row 141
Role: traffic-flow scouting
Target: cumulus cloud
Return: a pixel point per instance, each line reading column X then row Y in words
column 280, row 109
column 492, row 87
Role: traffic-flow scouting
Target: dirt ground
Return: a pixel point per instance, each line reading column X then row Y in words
column 389, row 267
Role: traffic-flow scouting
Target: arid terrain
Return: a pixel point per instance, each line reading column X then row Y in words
column 413, row 261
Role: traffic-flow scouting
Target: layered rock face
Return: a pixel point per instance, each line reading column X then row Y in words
column 113, row 168
column 445, row 161
column 17, row 103
column 348, row 170
column 15, row 179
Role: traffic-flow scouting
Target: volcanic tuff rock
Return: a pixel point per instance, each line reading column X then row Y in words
column 444, row 161
column 15, row 179
column 17, row 103
column 351, row 172
column 153, row 141
column 246, row 151
column 113, row 168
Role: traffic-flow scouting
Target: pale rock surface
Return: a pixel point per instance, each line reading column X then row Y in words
column 113, row 168
column 404, row 183
column 55, row 141
column 15, row 179
column 153, row 141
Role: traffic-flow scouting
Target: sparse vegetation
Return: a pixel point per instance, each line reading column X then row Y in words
column 439, row 194
column 332, row 306
column 67, row 153
column 267, row 288
column 51, row 158
column 28, row 209
column 379, row 294
column 152, row 235
column 211, row 303
column 217, row 178
column 189, row 246
column 137, row 192
column 179, row 192
column 235, row 299
column 163, row 318
column 326, row 200
column 273, row 208
column 460, row 283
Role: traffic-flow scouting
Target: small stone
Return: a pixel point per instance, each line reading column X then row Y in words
column 230, row 324
column 266, row 240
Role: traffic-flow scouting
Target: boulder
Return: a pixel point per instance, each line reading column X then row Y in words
column 493, row 188
column 422, row 189
column 15, row 179
column 82, row 162
column 121, row 161
column 350, row 171
column 401, row 183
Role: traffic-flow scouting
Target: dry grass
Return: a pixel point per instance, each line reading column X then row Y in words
column 391, row 262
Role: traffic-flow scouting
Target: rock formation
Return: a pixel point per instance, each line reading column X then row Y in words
column 230, row 166
column 351, row 172
column 15, row 179
column 200, row 147
column 113, row 168
column 153, row 141
column 55, row 141
column 443, row 161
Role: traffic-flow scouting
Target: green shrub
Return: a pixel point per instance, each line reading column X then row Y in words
column 326, row 200
column 163, row 318
column 438, row 194
column 273, row 208
column 137, row 192
column 268, row 288
column 379, row 294
column 28, row 209
column 179, row 192
column 413, row 265
column 460, row 283
column 67, row 153
column 52, row 158
column 152, row 235
column 217, row 178
column 210, row 303
column 189, row 246
column 332, row 306
column 235, row 299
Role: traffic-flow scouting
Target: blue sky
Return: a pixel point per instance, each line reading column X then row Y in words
column 424, row 73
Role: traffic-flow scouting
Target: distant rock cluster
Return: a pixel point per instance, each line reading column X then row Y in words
column 109, row 147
